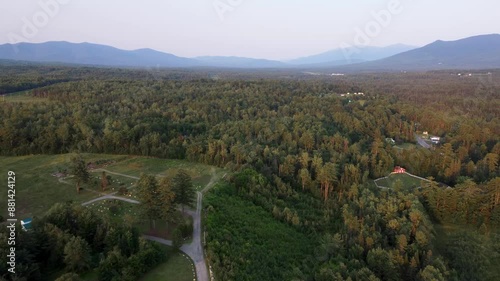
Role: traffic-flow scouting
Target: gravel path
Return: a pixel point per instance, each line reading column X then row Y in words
column 111, row 196
column 113, row 173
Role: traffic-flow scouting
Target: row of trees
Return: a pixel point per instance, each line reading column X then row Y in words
column 159, row 199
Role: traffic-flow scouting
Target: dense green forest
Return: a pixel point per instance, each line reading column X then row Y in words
column 305, row 158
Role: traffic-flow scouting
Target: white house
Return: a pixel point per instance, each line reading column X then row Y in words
column 435, row 140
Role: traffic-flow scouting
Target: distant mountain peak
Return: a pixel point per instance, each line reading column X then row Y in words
column 482, row 51
column 95, row 54
column 353, row 54
column 477, row 52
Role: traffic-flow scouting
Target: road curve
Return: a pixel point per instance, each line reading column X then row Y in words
column 194, row 249
column 113, row 173
column 111, row 197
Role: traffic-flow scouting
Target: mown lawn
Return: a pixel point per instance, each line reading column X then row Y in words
column 407, row 146
column 117, row 211
column 37, row 190
column 178, row 267
column 404, row 180
column 134, row 166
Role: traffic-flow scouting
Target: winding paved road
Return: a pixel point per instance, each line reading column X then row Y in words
column 111, row 196
column 194, row 249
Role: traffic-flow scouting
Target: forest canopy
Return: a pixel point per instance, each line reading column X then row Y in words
column 304, row 153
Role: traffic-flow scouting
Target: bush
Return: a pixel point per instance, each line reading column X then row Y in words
column 114, row 209
column 122, row 190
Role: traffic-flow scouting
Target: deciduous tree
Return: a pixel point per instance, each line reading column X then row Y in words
column 79, row 170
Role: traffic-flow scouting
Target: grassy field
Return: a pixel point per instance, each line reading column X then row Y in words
column 117, row 211
column 23, row 96
column 179, row 267
column 37, row 190
column 404, row 180
column 134, row 166
column 406, row 146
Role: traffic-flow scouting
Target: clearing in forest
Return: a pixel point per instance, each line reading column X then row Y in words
column 405, row 180
column 43, row 180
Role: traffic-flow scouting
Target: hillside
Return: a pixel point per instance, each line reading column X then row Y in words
column 101, row 55
column 238, row 62
column 351, row 55
column 478, row 52
column 90, row 54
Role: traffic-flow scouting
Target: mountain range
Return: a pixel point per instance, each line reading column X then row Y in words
column 351, row 54
column 476, row 52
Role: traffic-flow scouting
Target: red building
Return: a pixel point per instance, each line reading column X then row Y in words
column 399, row 170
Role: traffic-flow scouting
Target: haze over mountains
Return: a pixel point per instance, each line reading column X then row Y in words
column 478, row 52
column 470, row 53
column 349, row 55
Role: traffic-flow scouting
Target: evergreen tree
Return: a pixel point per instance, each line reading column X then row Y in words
column 104, row 181
column 149, row 196
column 77, row 254
column 167, row 199
column 183, row 189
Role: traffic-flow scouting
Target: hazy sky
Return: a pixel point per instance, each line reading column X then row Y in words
column 273, row 29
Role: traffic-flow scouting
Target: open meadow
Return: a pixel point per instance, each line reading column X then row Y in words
column 392, row 181
column 42, row 180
